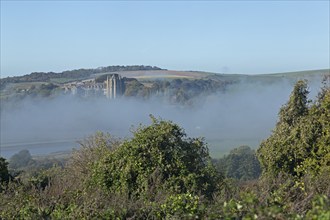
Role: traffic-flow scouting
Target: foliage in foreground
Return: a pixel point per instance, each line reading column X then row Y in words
column 300, row 143
column 158, row 157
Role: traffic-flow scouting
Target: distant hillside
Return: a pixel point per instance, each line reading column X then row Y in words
column 293, row 76
column 144, row 82
column 162, row 74
column 151, row 75
column 271, row 78
column 147, row 73
column 70, row 75
column 305, row 73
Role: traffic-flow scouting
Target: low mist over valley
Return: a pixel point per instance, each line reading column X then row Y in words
column 46, row 113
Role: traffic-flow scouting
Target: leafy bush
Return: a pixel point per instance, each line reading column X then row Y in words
column 4, row 174
column 300, row 141
column 157, row 157
column 241, row 163
column 20, row 160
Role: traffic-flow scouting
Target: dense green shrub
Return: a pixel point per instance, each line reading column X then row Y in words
column 20, row 160
column 4, row 174
column 158, row 157
column 300, row 143
column 241, row 163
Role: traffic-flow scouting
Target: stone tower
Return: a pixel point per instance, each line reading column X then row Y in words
column 114, row 86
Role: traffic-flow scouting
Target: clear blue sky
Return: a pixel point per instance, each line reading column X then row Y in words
column 223, row 36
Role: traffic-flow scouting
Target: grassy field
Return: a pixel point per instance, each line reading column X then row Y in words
column 307, row 73
column 159, row 74
column 16, row 87
column 62, row 80
column 172, row 74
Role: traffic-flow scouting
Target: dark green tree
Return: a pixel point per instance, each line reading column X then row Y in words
column 4, row 174
column 315, row 138
column 300, row 142
column 20, row 160
column 158, row 157
column 241, row 163
column 297, row 105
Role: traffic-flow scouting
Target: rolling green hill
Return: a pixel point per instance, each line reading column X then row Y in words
column 272, row 77
column 183, row 84
column 144, row 73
